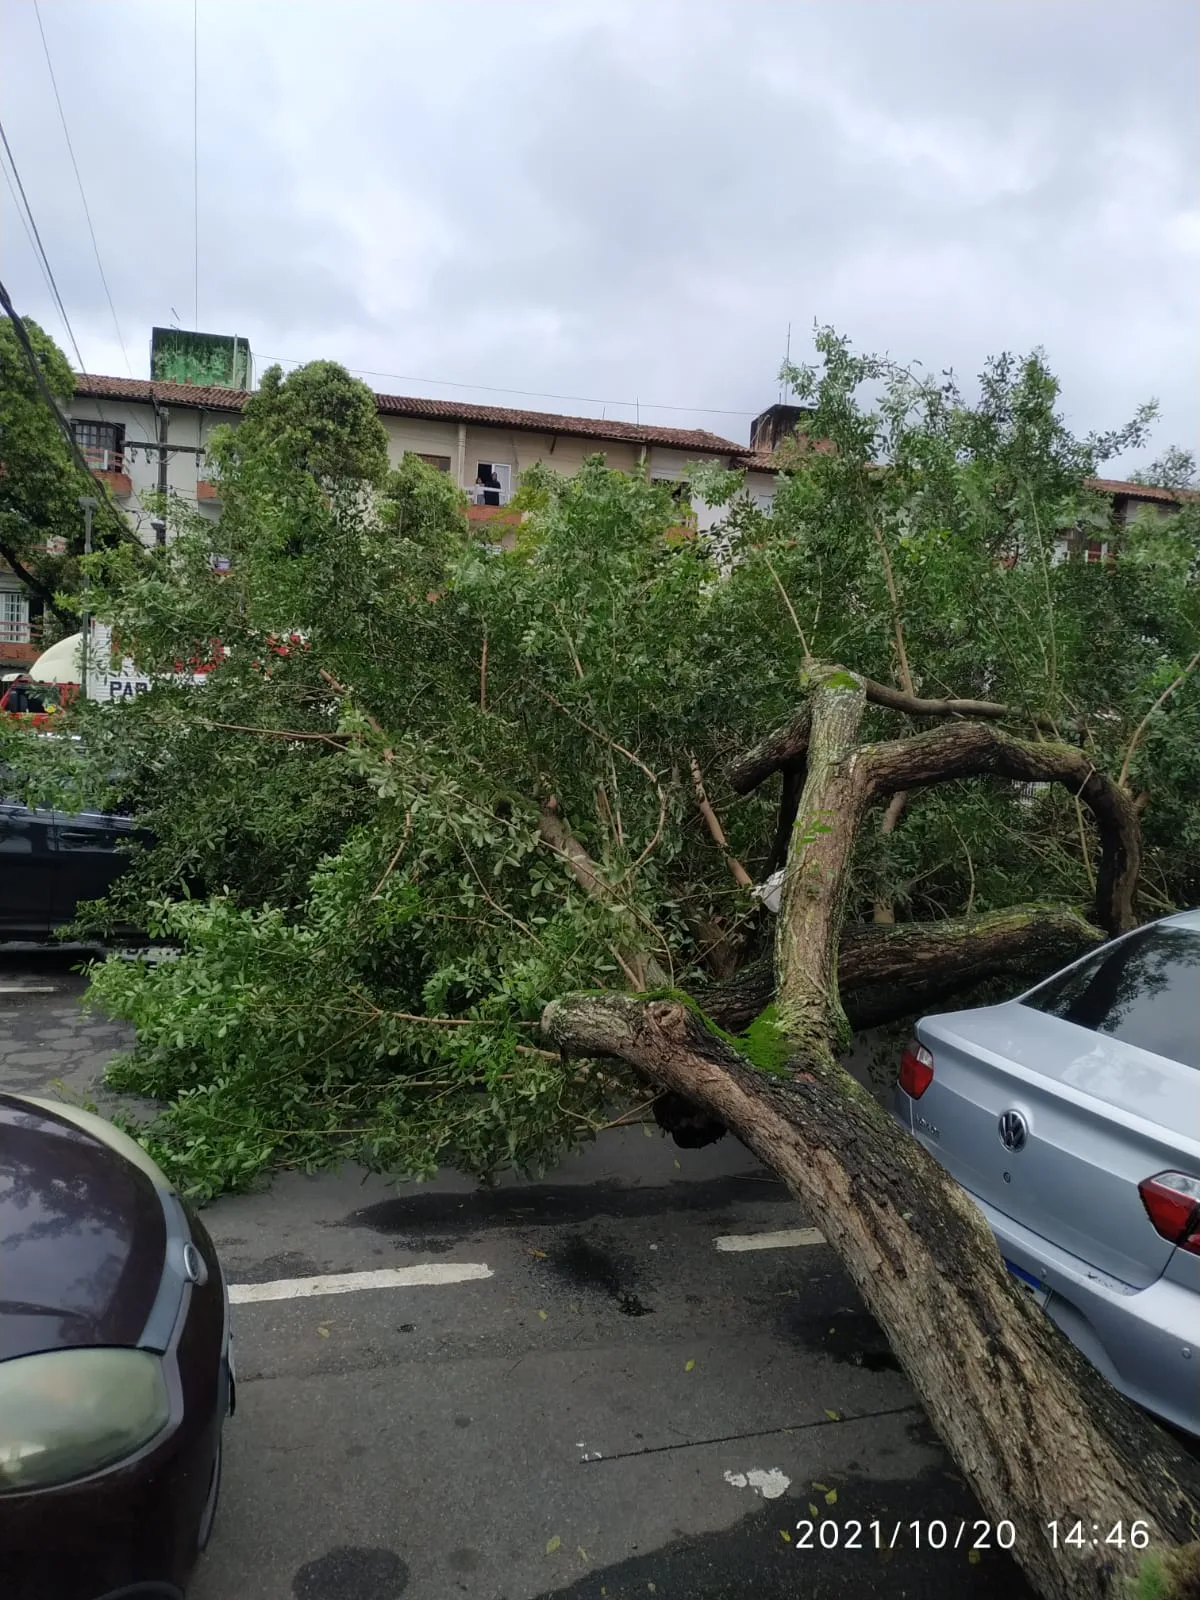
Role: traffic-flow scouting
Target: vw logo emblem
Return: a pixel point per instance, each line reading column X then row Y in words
column 1014, row 1130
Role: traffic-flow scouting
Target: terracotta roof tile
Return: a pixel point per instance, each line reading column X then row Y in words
column 399, row 405
column 178, row 394
column 551, row 422
column 1141, row 491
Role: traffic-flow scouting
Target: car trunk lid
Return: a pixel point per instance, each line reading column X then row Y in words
column 1056, row 1125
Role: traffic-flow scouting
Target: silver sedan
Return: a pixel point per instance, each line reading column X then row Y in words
column 1071, row 1116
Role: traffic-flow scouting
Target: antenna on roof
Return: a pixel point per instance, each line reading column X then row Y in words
column 175, row 314
column 785, row 387
column 637, row 409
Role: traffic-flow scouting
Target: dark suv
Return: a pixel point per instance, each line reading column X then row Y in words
column 50, row 861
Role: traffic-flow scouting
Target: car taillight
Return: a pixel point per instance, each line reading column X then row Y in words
column 1172, row 1202
column 916, row 1069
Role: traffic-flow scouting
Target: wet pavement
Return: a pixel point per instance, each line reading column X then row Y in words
column 618, row 1408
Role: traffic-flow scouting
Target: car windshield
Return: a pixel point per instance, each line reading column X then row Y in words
column 25, row 698
column 1143, row 990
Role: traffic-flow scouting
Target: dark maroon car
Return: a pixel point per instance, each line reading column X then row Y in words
column 115, row 1375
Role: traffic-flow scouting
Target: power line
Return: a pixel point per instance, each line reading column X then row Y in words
column 24, row 223
column 196, row 163
column 41, row 249
column 68, row 433
column 530, row 394
column 79, row 180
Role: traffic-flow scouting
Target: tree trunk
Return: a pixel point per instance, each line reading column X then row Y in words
column 1037, row 1432
column 890, row 971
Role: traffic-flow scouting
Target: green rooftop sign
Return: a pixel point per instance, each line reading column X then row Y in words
column 211, row 360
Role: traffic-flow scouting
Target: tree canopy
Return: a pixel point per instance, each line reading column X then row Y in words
column 464, row 850
column 41, row 526
column 428, row 787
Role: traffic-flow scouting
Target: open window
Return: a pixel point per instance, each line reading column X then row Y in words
column 102, row 444
column 493, row 483
column 439, row 463
column 14, row 616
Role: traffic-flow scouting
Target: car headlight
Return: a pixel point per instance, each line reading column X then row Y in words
column 66, row 1413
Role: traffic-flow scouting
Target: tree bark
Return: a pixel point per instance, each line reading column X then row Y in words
column 814, row 881
column 1037, row 1432
column 890, row 971
column 34, row 584
column 972, row 750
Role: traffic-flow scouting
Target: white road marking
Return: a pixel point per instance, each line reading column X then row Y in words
column 347, row 1282
column 769, row 1483
column 785, row 1239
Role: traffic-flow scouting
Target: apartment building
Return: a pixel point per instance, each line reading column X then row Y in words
column 142, row 436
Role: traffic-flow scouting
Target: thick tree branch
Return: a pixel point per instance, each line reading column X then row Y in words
column 778, row 751
column 914, row 705
column 926, row 1263
column 973, row 750
column 35, row 585
column 789, row 744
column 812, row 899
column 888, row 971
column 713, row 823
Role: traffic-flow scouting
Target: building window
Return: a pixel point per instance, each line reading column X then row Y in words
column 493, row 484
column 681, row 493
column 14, row 616
column 441, row 463
column 102, row 443
column 1097, row 550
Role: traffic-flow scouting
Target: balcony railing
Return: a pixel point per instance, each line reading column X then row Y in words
column 103, row 460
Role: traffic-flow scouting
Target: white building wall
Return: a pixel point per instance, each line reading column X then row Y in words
column 422, row 438
column 187, row 426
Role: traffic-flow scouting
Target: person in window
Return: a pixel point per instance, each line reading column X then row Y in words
column 487, row 481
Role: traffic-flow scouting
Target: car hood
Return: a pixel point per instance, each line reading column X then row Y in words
column 83, row 1236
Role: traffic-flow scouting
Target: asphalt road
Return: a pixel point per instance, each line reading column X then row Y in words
column 618, row 1408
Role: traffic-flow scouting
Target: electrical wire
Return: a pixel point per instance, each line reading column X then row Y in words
column 196, row 164
column 79, row 180
column 43, row 258
column 24, row 223
column 47, row 394
column 530, row 394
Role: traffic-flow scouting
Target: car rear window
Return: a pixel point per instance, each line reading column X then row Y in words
column 1143, row 990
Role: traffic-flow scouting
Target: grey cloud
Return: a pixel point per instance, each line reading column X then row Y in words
column 614, row 199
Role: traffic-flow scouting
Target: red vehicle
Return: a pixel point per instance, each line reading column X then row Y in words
column 35, row 703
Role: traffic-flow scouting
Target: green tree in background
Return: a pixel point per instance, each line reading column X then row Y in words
column 40, row 483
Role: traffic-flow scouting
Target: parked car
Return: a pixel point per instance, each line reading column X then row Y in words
column 1071, row 1116
column 52, row 860
column 115, row 1370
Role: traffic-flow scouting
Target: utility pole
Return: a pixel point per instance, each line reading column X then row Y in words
column 89, row 505
column 159, row 526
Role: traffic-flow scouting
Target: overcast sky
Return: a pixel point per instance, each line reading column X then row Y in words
column 622, row 201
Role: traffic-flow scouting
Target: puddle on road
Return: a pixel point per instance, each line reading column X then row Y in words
column 352, row 1574
column 588, row 1266
column 851, row 1336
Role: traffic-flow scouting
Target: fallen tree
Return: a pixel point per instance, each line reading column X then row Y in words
column 389, row 831
column 1038, row 1433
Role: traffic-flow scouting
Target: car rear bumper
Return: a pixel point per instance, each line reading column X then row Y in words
column 1146, row 1342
